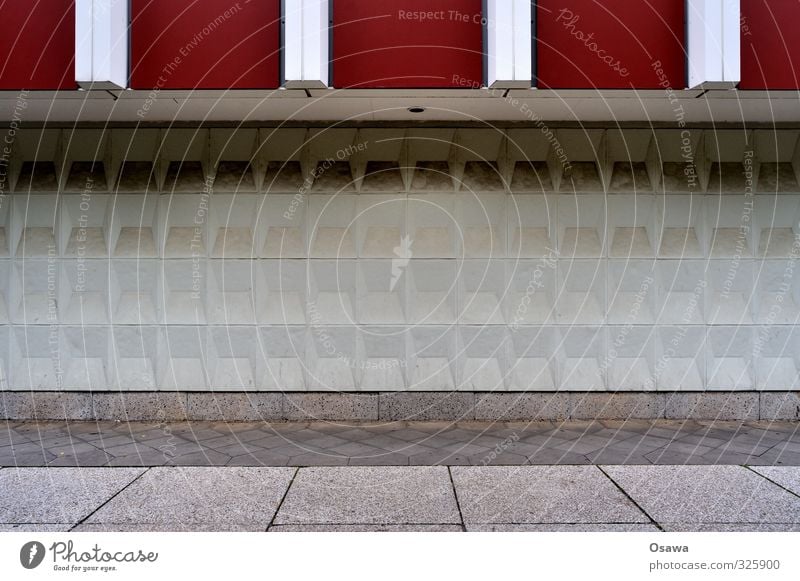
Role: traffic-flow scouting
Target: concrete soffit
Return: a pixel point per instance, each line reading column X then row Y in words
column 287, row 159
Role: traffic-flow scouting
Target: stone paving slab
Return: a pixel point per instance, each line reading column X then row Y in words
column 786, row 476
column 370, row 495
column 423, row 443
column 34, row 528
column 168, row 527
column 244, row 497
column 706, row 494
column 730, row 527
column 401, row 499
column 366, row 529
column 540, row 495
column 58, row 495
column 563, row 528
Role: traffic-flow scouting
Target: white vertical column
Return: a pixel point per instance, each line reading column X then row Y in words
column 509, row 48
column 713, row 43
column 101, row 41
column 305, row 51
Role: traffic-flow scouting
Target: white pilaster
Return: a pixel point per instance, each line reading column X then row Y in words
column 306, row 44
column 713, row 43
column 101, row 44
column 509, row 49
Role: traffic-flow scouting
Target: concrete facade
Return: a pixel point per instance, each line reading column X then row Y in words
column 393, row 261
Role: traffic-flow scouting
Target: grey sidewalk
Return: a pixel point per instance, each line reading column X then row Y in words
column 633, row 442
column 393, row 498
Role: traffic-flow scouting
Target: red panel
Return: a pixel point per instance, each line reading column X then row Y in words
column 407, row 43
column 37, row 44
column 205, row 44
column 610, row 44
column 770, row 44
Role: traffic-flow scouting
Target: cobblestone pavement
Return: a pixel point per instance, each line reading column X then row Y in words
column 402, row 498
column 632, row 442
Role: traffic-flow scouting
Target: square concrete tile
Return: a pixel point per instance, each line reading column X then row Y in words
column 584, row 445
column 25, row 454
column 58, row 495
column 8, row 437
column 385, row 459
column 201, row 458
column 318, row 459
column 541, row 494
column 671, row 459
column 503, row 459
column 753, row 445
column 263, row 458
column 789, row 446
column 777, row 458
column 84, row 459
column 178, row 496
column 142, row 458
column 731, row 458
column 370, row 495
column 786, row 476
column 28, row 528
column 548, row 457
column 706, row 494
column 439, row 458
column 611, row 456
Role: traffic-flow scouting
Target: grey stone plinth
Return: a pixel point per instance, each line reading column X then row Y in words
column 236, row 406
column 397, row 406
column 160, row 406
column 521, row 406
column 614, row 406
column 331, row 406
column 451, row 406
column 713, row 406
column 45, row 405
column 780, row 406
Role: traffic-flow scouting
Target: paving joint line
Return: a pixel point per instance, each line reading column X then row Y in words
column 775, row 445
column 112, row 497
column 458, row 503
column 271, row 522
column 768, row 479
column 629, row 497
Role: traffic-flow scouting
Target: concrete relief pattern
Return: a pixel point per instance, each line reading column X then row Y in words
column 399, row 260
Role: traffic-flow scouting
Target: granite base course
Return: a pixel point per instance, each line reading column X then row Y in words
column 393, row 406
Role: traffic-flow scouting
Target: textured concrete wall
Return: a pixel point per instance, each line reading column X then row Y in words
column 177, row 267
